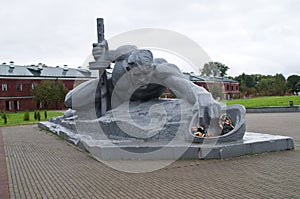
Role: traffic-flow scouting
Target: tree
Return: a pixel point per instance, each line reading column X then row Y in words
column 293, row 84
column 222, row 68
column 214, row 68
column 248, row 84
column 249, row 80
column 207, row 71
column 272, row 85
column 48, row 92
column 60, row 91
column 280, row 85
column 266, row 86
column 44, row 92
column 216, row 90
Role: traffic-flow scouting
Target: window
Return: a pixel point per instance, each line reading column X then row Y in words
column 19, row 87
column 8, row 105
column 33, row 86
column 4, row 87
column 16, row 105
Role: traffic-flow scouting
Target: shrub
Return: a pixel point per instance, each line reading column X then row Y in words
column 38, row 115
column 35, row 115
column 26, row 116
column 4, row 117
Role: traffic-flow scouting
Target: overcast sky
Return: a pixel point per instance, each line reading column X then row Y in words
column 257, row 36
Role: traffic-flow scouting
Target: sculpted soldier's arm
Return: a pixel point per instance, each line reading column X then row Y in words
column 101, row 53
column 183, row 88
column 173, row 79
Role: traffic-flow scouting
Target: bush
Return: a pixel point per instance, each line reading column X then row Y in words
column 35, row 115
column 26, row 116
column 4, row 117
column 38, row 115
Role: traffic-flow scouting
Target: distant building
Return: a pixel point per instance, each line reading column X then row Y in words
column 227, row 88
column 17, row 82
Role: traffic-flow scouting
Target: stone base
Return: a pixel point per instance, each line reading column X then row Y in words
column 252, row 143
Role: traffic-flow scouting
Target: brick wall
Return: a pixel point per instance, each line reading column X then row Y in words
column 19, row 98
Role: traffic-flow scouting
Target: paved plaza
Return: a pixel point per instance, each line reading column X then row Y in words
column 41, row 165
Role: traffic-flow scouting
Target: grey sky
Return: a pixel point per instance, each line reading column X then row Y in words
column 258, row 36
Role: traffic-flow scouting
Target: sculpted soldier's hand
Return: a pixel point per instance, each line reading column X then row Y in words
column 99, row 49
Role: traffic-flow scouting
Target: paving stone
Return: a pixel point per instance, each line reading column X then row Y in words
column 42, row 166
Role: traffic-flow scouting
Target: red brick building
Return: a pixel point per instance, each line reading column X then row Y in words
column 226, row 88
column 17, row 82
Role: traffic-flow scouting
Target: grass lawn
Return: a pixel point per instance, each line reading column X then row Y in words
column 18, row 118
column 266, row 101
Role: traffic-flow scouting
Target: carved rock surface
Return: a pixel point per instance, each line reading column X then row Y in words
column 151, row 120
column 154, row 120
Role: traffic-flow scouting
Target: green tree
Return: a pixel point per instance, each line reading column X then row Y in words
column 293, row 84
column 216, row 90
column 207, row 69
column 48, row 92
column 272, row 85
column 215, row 69
column 267, row 86
column 280, row 85
column 249, row 80
column 222, row 68
column 248, row 84
column 60, row 91
column 44, row 92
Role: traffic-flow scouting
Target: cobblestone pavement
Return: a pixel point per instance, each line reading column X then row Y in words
column 40, row 165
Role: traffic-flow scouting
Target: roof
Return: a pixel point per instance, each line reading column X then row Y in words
column 34, row 71
column 200, row 78
column 60, row 72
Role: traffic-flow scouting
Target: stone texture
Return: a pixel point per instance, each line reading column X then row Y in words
column 42, row 166
column 4, row 191
column 107, row 140
column 252, row 143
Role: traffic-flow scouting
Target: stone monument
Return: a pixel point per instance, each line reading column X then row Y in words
column 121, row 116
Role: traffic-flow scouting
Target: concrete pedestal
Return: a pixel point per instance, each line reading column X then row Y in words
column 105, row 149
column 253, row 143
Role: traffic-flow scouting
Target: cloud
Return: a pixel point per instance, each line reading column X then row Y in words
column 248, row 36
